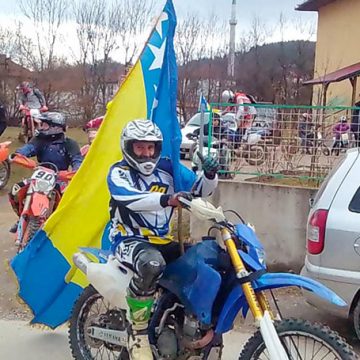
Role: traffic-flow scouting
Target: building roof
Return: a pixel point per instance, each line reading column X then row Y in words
column 313, row 5
column 338, row 75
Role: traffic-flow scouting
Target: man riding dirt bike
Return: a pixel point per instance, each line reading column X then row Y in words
column 245, row 113
column 51, row 147
column 32, row 102
column 141, row 207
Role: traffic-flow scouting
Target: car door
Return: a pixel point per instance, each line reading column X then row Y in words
column 343, row 229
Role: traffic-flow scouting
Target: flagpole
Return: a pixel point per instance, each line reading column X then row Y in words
column 201, row 135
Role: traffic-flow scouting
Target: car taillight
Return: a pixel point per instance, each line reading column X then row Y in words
column 316, row 232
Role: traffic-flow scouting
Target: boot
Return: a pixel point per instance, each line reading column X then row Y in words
column 14, row 227
column 138, row 341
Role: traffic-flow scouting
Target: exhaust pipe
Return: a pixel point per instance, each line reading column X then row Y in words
column 81, row 261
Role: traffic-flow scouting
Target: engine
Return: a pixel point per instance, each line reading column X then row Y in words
column 184, row 341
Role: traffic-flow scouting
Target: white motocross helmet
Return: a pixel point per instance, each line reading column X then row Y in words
column 141, row 130
column 227, row 95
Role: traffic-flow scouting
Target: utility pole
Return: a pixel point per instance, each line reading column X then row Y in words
column 233, row 22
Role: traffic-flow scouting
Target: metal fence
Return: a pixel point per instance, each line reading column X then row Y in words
column 300, row 144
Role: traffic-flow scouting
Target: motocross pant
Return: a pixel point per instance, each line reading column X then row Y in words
column 148, row 262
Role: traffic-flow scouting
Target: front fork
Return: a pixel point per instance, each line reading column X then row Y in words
column 258, row 302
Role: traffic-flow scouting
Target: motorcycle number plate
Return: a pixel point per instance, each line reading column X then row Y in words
column 44, row 175
column 344, row 137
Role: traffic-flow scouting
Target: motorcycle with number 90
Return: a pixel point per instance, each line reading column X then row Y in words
column 198, row 298
column 42, row 196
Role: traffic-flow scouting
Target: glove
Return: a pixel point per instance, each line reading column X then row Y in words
column 210, row 166
column 174, row 199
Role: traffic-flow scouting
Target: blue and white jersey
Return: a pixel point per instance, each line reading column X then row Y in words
column 138, row 205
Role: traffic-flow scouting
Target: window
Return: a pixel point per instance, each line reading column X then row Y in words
column 196, row 119
column 355, row 202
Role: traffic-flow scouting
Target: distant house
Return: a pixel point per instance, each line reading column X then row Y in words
column 337, row 60
column 11, row 74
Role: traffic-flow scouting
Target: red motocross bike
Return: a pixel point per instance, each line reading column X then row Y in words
column 39, row 199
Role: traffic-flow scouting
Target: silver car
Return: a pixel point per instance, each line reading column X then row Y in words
column 333, row 237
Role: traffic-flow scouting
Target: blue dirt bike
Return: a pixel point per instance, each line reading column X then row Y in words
column 198, row 298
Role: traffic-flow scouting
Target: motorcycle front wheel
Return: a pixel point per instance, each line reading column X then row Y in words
column 301, row 340
column 91, row 309
column 4, row 173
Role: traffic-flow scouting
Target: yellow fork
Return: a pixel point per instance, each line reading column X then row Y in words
column 256, row 306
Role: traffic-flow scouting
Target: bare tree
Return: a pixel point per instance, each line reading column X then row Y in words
column 46, row 17
column 189, row 47
column 104, row 31
column 131, row 23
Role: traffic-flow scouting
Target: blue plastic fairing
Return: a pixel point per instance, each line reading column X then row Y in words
column 236, row 300
column 248, row 235
column 193, row 280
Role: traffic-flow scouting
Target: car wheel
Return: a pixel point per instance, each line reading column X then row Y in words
column 356, row 318
column 182, row 156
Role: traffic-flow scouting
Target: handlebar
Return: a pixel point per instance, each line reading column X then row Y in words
column 65, row 175
column 22, row 161
column 203, row 210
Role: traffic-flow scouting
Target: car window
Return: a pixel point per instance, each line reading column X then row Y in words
column 326, row 181
column 195, row 120
column 355, row 202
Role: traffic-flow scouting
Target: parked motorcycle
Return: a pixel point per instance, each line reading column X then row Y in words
column 198, row 298
column 341, row 143
column 4, row 163
column 29, row 123
column 315, row 143
column 251, row 146
column 44, row 192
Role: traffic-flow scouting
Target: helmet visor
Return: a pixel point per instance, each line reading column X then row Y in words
column 144, row 151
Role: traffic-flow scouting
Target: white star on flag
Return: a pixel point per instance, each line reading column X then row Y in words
column 156, row 101
column 159, row 56
column 163, row 17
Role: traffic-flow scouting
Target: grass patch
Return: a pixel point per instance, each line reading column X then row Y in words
column 287, row 181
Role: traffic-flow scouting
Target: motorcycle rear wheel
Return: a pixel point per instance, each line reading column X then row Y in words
column 87, row 310
column 303, row 340
column 4, row 173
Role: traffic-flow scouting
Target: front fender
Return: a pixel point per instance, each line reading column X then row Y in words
column 236, row 300
column 39, row 204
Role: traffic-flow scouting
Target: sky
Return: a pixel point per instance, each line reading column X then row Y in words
column 268, row 11
column 299, row 25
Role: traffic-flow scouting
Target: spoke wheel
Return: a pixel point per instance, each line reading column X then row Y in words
column 4, row 173
column 302, row 340
column 91, row 310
